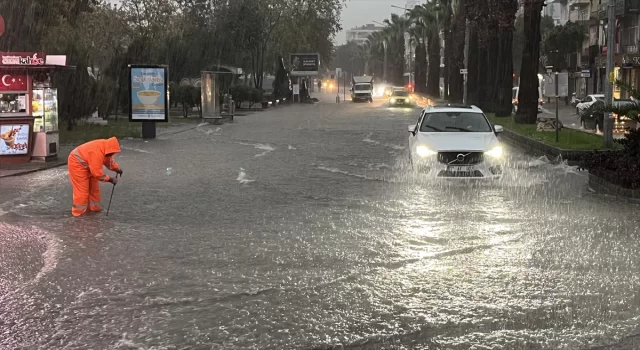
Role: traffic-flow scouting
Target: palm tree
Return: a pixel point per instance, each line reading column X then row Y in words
column 394, row 33
column 362, row 55
column 490, row 63
column 427, row 32
column 419, row 33
column 528, row 95
column 375, row 44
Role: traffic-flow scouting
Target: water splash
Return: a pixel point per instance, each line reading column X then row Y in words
column 136, row 150
column 242, row 177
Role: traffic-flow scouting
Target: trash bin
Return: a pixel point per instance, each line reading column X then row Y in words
column 228, row 107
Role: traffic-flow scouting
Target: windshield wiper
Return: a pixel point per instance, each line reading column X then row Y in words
column 431, row 127
column 457, row 128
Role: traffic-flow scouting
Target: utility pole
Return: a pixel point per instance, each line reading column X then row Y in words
column 466, row 60
column 384, row 69
column 611, row 37
column 411, row 62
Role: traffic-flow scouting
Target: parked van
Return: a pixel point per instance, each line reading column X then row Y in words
column 514, row 98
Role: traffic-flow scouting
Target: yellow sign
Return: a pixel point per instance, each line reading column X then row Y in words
column 612, row 77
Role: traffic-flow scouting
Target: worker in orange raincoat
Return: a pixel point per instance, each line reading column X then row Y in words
column 85, row 170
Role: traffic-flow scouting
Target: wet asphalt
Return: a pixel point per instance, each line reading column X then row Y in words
column 301, row 227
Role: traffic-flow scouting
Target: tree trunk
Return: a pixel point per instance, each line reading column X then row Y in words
column 492, row 78
column 482, row 76
column 456, row 60
column 447, row 61
column 421, row 68
column 528, row 91
column 473, row 73
column 433, row 77
column 505, row 72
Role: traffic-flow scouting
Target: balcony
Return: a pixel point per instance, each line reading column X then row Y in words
column 623, row 7
column 578, row 3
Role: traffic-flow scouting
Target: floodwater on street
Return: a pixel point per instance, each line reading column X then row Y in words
column 301, row 227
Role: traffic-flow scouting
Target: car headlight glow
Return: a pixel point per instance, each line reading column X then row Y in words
column 495, row 152
column 423, row 151
column 393, row 100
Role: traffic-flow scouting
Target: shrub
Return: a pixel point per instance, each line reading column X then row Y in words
column 618, row 167
column 242, row 93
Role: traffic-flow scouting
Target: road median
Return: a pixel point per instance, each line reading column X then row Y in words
column 572, row 144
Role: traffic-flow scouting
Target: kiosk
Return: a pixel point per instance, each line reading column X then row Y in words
column 28, row 107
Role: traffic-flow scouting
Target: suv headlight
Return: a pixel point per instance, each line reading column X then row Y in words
column 495, row 152
column 423, row 151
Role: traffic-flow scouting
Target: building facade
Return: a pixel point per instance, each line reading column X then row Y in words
column 359, row 35
column 626, row 54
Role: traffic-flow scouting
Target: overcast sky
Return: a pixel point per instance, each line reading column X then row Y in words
column 361, row 12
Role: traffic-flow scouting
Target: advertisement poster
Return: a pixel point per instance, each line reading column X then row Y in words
column 304, row 64
column 14, row 139
column 148, row 86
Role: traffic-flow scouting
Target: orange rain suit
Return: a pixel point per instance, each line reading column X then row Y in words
column 85, row 170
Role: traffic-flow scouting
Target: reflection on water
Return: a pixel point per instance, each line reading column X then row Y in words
column 527, row 262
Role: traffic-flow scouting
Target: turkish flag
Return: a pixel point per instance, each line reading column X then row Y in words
column 13, row 81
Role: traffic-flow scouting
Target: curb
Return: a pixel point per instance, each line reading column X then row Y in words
column 35, row 170
column 601, row 185
column 540, row 147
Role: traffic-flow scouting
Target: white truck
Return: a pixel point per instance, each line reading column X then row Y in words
column 362, row 89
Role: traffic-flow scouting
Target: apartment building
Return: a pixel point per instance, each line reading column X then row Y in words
column 360, row 34
column 627, row 55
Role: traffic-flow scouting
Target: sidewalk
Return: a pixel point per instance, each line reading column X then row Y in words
column 31, row 167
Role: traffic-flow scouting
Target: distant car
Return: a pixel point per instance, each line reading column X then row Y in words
column 595, row 120
column 400, row 97
column 515, row 91
column 587, row 101
column 388, row 90
column 451, row 141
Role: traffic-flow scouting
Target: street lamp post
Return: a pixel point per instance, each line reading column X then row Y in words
column 384, row 46
column 611, row 33
column 384, row 68
column 466, row 61
column 411, row 62
column 410, row 65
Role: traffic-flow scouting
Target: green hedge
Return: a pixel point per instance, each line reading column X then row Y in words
column 242, row 93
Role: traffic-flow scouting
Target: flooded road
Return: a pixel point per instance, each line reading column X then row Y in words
column 302, row 228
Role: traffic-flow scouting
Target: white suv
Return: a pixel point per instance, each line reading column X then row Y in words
column 454, row 141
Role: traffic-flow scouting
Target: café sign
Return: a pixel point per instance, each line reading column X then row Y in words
column 22, row 58
column 635, row 60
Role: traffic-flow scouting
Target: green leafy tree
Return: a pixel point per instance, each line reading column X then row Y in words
column 561, row 41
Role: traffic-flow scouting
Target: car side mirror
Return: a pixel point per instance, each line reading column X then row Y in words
column 412, row 129
column 498, row 128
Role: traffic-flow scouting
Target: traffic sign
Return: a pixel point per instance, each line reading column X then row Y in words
column 585, row 73
column 463, row 71
column 562, row 84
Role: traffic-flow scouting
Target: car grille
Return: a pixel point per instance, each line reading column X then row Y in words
column 474, row 173
column 362, row 94
column 401, row 100
column 452, row 158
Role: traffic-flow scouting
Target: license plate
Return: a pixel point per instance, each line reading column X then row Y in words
column 460, row 169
